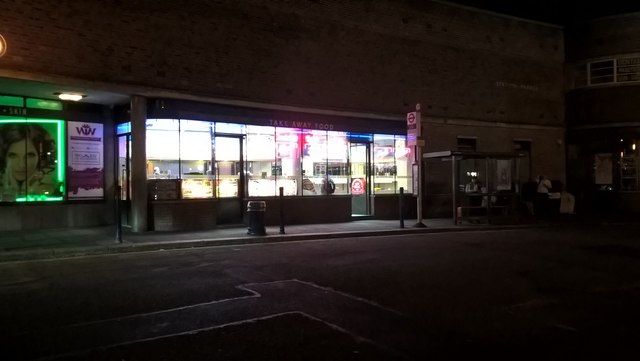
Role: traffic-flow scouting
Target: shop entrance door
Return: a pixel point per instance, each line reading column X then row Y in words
column 124, row 177
column 360, row 179
column 230, row 177
column 229, row 166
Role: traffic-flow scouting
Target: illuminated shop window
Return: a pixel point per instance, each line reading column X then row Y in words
column 230, row 128
column 337, row 164
column 287, row 167
column 163, row 149
column 32, row 158
column 262, row 169
column 384, row 164
column 391, row 164
column 314, row 161
column 196, row 159
column 403, row 158
column 207, row 160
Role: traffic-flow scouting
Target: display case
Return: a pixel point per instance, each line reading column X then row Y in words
column 228, row 187
column 163, row 189
column 197, row 188
column 382, row 184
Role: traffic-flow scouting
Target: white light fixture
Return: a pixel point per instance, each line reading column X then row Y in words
column 3, row 46
column 70, row 96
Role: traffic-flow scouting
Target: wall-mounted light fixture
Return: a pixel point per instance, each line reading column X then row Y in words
column 3, row 45
column 70, row 96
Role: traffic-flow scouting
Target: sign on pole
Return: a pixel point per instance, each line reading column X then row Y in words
column 412, row 128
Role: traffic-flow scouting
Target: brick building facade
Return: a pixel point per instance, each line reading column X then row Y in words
column 478, row 75
column 602, row 113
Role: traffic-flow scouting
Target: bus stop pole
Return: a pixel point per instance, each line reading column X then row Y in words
column 419, row 160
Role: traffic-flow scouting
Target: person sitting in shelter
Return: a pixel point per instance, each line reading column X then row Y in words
column 473, row 186
column 474, row 202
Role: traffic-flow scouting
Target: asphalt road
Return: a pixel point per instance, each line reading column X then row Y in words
column 552, row 293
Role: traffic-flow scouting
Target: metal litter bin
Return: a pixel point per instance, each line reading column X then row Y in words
column 255, row 211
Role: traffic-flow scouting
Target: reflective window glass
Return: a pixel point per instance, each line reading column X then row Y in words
column 196, row 154
column 337, row 180
column 262, row 168
column 163, row 148
column 384, row 164
column 314, row 161
column 230, row 128
column 288, row 168
column 403, row 157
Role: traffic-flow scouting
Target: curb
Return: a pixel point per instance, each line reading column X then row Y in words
column 150, row 246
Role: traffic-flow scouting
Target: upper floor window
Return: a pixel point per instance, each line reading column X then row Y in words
column 601, row 72
column 607, row 71
column 467, row 143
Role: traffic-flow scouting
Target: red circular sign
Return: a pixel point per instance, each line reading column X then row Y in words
column 411, row 118
column 358, row 186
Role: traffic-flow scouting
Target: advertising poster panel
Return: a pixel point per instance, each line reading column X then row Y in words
column 86, row 161
column 31, row 160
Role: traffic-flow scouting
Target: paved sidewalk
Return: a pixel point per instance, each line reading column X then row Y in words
column 70, row 242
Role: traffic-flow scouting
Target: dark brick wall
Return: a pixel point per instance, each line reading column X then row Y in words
column 603, row 37
column 379, row 56
column 616, row 104
column 606, row 37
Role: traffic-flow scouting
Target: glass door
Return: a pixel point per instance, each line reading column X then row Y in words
column 229, row 167
column 124, row 177
column 360, row 179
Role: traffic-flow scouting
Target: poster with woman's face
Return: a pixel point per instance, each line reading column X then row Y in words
column 31, row 160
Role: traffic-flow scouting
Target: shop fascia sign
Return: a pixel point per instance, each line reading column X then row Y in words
column 300, row 124
column 3, row 46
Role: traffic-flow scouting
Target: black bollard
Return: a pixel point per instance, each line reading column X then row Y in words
column 281, row 189
column 401, row 210
column 118, row 216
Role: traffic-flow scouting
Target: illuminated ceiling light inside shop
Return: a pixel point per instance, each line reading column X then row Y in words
column 633, row 146
column 70, row 96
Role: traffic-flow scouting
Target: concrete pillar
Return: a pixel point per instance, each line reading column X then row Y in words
column 139, row 221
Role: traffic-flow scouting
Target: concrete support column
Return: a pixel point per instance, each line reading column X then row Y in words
column 139, row 221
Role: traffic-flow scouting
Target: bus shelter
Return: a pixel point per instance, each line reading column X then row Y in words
column 484, row 187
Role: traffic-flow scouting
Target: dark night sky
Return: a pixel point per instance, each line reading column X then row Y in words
column 560, row 12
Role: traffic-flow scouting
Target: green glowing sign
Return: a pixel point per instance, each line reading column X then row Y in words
column 11, row 101
column 44, row 104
